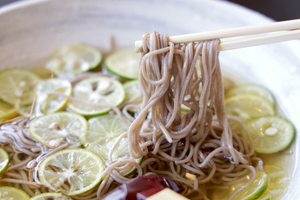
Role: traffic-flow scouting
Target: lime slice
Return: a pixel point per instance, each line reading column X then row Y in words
column 277, row 184
column 133, row 91
column 51, row 103
column 17, row 86
column 74, row 59
column 228, row 84
column 50, row 196
column 11, row 193
column 124, row 63
column 104, row 127
column 250, row 89
column 254, row 190
column 278, row 177
column 251, row 192
column 25, row 110
column 271, row 195
column 270, row 134
column 41, row 71
column 4, row 160
column 248, row 107
column 72, row 171
column 102, row 135
column 7, row 111
column 52, row 129
column 97, row 90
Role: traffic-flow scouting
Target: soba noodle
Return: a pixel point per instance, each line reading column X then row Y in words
column 198, row 141
column 197, row 148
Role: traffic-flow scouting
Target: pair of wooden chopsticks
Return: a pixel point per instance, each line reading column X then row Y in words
column 278, row 32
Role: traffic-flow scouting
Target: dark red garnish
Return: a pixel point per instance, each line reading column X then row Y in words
column 142, row 187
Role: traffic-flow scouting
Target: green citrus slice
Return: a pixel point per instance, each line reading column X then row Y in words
column 4, row 160
column 102, row 135
column 255, row 189
column 71, row 171
column 7, row 111
column 124, row 63
column 270, row 134
column 50, row 196
column 247, row 107
column 41, row 71
column 277, row 184
column 52, row 129
column 250, row 89
column 11, row 193
column 97, row 90
column 278, row 177
column 17, row 86
column 74, row 59
column 228, row 85
column 133, row 91
column 251, row 192
column 52, row 103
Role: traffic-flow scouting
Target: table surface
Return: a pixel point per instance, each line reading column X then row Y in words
column 277, row 9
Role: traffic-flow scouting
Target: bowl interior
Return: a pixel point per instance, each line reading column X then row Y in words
column 32, row 30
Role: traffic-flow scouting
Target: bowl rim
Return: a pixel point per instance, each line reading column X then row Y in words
column 19, row 4
column 27, row 3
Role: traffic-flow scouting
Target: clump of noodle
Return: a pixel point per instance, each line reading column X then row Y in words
column 168, row 74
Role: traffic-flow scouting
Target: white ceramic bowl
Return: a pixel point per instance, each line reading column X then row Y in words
column 31, row 30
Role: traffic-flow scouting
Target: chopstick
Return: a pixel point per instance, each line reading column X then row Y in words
column 289, row 27
column 259, row 40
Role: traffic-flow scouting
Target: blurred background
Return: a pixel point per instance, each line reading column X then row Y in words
column 277, row 9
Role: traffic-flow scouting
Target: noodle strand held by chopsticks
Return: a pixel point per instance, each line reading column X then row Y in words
column 170, row 76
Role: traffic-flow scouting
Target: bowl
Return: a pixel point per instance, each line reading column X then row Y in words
column 32, row 30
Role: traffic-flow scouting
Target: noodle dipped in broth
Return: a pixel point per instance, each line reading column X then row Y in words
column 197, row 142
